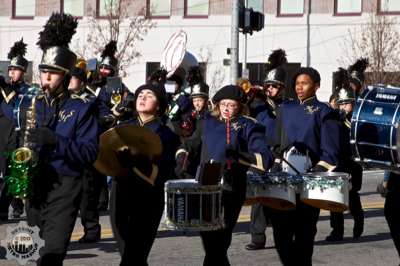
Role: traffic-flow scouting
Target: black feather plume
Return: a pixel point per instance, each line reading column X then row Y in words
column 194, row 76
column 19, row 49
column 110, row 49
column 58, row 31
column 342, row 79
column 276, row 58
column 159, row 76
column 360, row 65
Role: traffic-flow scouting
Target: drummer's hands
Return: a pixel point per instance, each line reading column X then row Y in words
column 181, row 163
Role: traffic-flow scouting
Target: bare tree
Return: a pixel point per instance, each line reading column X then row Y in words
column 378, row 41
column 126, row 29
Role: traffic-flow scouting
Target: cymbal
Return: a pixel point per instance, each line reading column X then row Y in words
column 138, row 138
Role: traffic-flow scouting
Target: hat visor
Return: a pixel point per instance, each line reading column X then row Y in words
column 16, row 66
column 196, row 95
column 52, row 68
column 351, row 100
column 274, row 82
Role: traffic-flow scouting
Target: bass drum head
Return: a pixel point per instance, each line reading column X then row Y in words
column 374, row 132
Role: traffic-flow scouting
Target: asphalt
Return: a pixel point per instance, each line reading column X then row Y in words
column 375, row 247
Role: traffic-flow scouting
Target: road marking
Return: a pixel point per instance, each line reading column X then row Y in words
column 107, row 233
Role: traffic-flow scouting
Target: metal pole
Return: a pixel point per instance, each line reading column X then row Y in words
column 245, row 73
column 234, row 41
column 308, row 34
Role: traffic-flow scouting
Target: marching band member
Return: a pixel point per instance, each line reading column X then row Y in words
column 237, row 142
column 274, row 86
column 65, row 140
column 357, row 75
column 137, row 201
column 91, row 179
column 199, row 98
column 345, row 101
column 16, row 97
column 109, row 98
column 312, row 128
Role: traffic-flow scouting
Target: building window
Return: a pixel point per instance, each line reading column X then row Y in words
column 389, row 6
column 290, row 7
column 196, row 8
column 107, row 7
column 73, row 7
column 348, row 7
column 256, row 5
column 24, row 8
column 159, row 8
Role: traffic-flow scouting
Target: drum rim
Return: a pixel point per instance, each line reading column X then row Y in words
column 342, row 175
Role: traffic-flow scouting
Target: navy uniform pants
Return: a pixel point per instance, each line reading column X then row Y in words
column 294, row 233
column 216, row 243
column 136, row 209
column 54, row 208
column 90, row 199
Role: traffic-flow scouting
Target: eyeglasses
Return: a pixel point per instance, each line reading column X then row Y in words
column 228, row 105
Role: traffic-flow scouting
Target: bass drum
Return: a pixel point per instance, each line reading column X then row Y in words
column 374, row 136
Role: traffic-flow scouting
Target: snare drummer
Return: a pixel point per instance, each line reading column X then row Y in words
column 312, row 127
column 345, row 102
column 137, row 203
column 247, row 148
column 274, row 86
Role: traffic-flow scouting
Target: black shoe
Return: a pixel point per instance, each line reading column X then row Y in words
column 254, row 246
column 89, row 239
column 334, row 238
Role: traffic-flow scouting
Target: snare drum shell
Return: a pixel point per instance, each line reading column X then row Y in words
column 331, row 199
column 277, row 197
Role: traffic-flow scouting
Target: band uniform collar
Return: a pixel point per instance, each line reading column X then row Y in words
column 142, row 123
column 307, row 100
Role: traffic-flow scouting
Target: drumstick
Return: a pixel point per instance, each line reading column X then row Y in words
column 228, row 137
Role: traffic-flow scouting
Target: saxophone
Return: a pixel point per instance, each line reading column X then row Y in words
column 23, row 160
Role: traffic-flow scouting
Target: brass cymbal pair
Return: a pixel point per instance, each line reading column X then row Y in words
column 137, row 138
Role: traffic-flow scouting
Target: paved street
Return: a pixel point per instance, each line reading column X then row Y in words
column 171, row 248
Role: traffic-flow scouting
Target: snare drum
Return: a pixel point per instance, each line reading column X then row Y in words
column 327, row 190
column 374, row 136
column 274, row 190
column 192, row 207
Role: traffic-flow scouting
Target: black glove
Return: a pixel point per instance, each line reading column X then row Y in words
column 276, row 167
column 42, row 136
column 126, row 105
column 231, row 153
column 107, row 121
column 180, row 169
column 130, row 158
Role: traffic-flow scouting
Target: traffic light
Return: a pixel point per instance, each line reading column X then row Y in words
column 250, row 20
